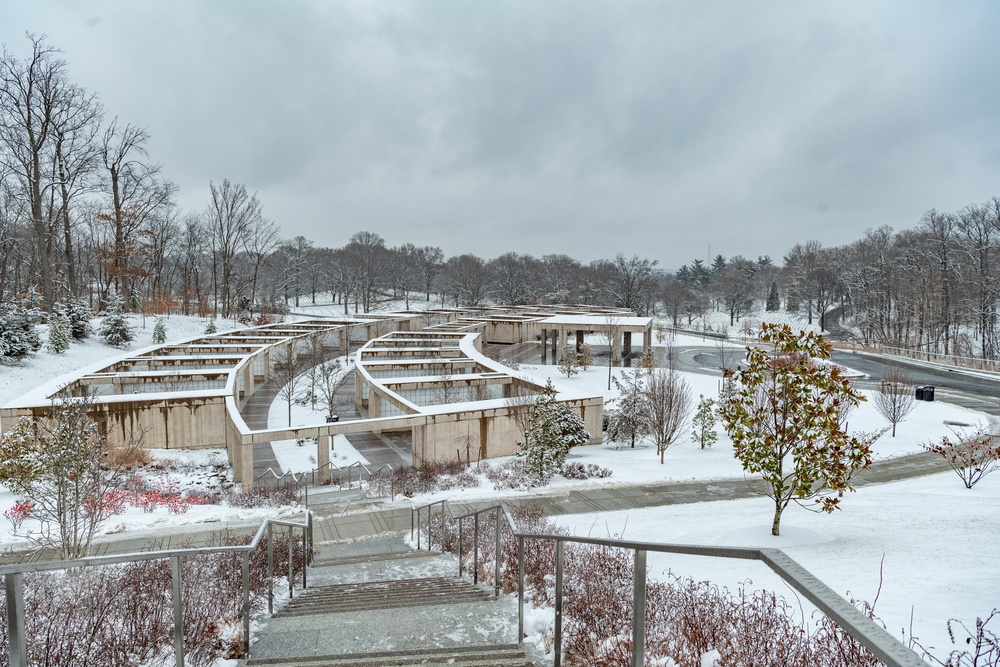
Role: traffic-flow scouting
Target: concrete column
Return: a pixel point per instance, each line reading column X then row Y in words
column 627, row 344
column 545, row 334
column 358, row 396
column 555, row 345
column 579, row 340
column 324, row 444
column 246, row 466
column 616, row 349
column 343, row 340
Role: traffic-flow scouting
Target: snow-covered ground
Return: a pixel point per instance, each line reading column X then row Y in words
column 938, row 538
column 717, row 321
column 18, row 377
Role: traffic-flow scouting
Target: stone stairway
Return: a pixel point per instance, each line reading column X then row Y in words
column 376, row 603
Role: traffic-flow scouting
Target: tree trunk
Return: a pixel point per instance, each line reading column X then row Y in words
column 777, row 518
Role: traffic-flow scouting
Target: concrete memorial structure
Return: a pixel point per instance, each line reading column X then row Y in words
column 416, row 371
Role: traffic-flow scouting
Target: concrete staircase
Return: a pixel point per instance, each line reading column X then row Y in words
column 376, row 603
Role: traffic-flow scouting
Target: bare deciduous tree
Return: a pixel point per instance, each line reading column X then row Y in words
column 668, row 406
column 893, row 397
column 609, row 333
column 231, row 214
column 289, row 369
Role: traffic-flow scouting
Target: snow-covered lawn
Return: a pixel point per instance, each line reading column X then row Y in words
column 37, row 369
column 938, row 539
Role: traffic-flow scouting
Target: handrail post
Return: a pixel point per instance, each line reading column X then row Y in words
column 639, row 609
column 18, row 643
column 246, row 604
column 461, row 523
column 520, row 590
column 270, row 568
column 305, row 556
column 496, row 558
column 291, row 569
column 557, row 644
column 411, row 528
column 475, row 551
column 175, row 572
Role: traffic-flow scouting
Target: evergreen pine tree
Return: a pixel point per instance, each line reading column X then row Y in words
column 159, row 332
column 79, row 314
column 773, row 300
column 18, row 336
column 703, row 424
column 554, row 428
column 58, row 333
column 115, row 329
column 211, row 328
column 629, row 420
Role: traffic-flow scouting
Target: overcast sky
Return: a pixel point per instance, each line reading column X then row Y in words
column 586, row 128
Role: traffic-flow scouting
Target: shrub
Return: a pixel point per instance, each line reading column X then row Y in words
column 577, row 470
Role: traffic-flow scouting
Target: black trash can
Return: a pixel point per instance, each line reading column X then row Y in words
column 928, row 393
column 920, row 393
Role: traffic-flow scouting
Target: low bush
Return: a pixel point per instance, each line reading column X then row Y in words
column 577, row 470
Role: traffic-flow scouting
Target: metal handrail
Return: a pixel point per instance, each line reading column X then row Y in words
column 313, row 475
column 13, row 576
column 872, row 636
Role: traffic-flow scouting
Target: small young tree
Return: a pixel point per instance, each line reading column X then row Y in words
column 58, row 334
column 668, row 406
column 784, row 420
column 116, row 329
column 569, row 363
column 160, row 331
column 58, row 466
column 893, row 397
column 554, row 429
column 971, row 457
column 586, row 356
column 289, row 367
column 446, row 390
column 18, row 337
column 703, row 423
column 629, row 419
column 648, row 359
column 332, row 376
column 609, row 332
column 521, row 406
column 211, row 328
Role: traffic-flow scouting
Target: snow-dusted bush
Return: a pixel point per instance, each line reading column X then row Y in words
column 577, row 470
column 18, row 337
column 211, row 328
